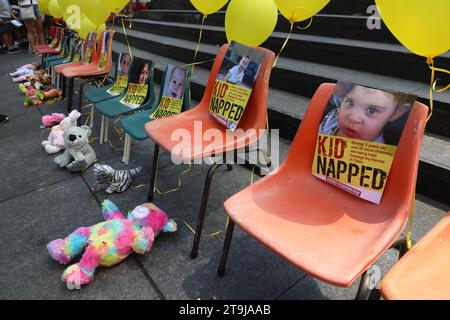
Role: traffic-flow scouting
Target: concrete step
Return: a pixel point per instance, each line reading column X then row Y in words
column 296, row 76
column 286, row 111
column 337, row 7
column 381, row 58
column 330, row 25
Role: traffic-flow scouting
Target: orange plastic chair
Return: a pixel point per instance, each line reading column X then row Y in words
column 91, row 70
column 424, row 271
column 254, row 117
column 324, row 231
column 46, row 48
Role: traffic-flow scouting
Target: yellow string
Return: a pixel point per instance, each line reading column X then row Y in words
column 435, row 82
column 284, row 45
column 169, row 191
column 126, row 38
column 198, row 43
column 309, row 24
column 411, row 218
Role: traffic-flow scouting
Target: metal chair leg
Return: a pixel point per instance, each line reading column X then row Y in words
column 70, row 95
column 126, row 149
column 106, row 133
column 102, row 130
column 201, row 213
column 226, row 249
column 91, row 123
column 153, row 173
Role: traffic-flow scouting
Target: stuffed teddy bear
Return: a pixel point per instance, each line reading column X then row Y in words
column 108, row 243
column 112, row 180
column 78, row 155
column 55, row 142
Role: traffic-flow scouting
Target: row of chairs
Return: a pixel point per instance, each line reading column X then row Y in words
column 86, row 67
column 326, row 232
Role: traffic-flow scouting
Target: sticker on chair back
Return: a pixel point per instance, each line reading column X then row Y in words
column 234, row 84
column 358, row 137
column 141, row 71
column 121, row 82
column 173, row 92
column 105, row 50
column 89, row 47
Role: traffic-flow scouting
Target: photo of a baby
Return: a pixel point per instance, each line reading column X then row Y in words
column 364, row 113
column 174, row 87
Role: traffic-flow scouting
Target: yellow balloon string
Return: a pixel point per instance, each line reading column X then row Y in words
column 126, row 37
column 284, row 45
column 411, row 218
column 430, row 63
column 198, row 43
column 435, row 82
column 308, row 25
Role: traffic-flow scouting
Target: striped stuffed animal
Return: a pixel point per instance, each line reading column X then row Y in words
column 112, row 180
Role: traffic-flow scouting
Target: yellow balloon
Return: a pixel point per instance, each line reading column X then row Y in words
column 299, row 10
column 250, row 22
column 95, row 11
column 54, row 9
column 208, row 6
column 421, row 26
column 86, row 27
column 114, row 5
column 43, row 6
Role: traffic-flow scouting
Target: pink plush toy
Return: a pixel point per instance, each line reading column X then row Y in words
column 109, row 242
column 55, row 142
column 53, row 119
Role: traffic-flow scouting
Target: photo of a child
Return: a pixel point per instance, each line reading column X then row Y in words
column 364, row 113
column 240, row 65
column 124, row 64
column 140, row 71
column 175, row 86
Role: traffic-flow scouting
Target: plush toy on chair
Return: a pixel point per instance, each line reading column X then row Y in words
column 109, row 242
column 78, row 155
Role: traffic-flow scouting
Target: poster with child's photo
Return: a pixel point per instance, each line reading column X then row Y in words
column 234, row 84
column 121, row 81
column 141, row 70
column 104, row 51
column 358, row 137
column 173, row 92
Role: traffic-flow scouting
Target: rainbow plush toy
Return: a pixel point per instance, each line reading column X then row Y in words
column 109, row 242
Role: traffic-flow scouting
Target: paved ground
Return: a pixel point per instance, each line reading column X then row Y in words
column 40, row 202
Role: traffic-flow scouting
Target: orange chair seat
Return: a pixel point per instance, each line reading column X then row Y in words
column 315, row 225
column 47, row 50
column 424, row 271
column 160, row 132
column 83, row 71
column 60, row 68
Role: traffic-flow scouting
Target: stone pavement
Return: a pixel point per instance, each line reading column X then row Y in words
column 40, row 202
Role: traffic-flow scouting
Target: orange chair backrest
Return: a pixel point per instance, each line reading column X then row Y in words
column 108, row 65
column 256, row 111
column 399, row 190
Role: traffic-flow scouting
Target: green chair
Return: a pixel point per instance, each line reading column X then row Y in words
column 133, row 125
column 112, row 108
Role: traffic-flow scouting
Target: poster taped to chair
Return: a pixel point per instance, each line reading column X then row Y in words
column 141, row 70
column 234, row 84
column 121, row 82
column 173, row 93
column 105, row 50
column 358, row 137
column 90, row 42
